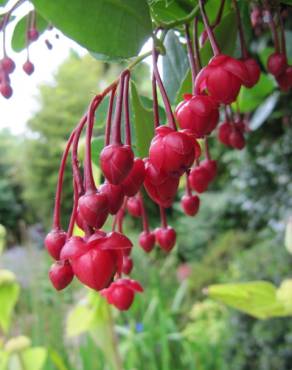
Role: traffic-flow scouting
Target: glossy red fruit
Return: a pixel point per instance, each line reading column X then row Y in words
column 7, row 65
column 127, row 265
column 254, row 72
column 115, row 195
column 277, row 64
column 236, row 139
column 94, row 208
column 211, row 166
column 32, row 34
column 190, row 204
column 224, row 132
column 171, row 152
column 134, row 207
column 28, row 67
column 160, row 187
column 73, row 248
column 121, row 293
column 147, row 241
column 198, row 113
column 61, row 274
column 6, row 90
column 222, row 78
column 116, row 162
column 197, row 147
column 55, row 241
column 166, row 238
column 135, row 179
column 285, row 79
column 199, row 179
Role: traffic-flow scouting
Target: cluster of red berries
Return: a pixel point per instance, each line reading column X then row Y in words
column 99, row 259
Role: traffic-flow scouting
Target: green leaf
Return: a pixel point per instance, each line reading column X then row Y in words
column 225, row 34
column 284, row 294
column 249, row 99
column 97, row 145
column 167, row 12
column 9, row 292
column 116, row 28
column 2, row 238
column 18, row 41
column 258, row 298
column 57, row 360
column 143, row 123
column 175, row 64
column 264, row 111
column 79, row 320
column 34, row 358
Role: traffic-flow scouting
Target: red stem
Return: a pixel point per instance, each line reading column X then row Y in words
column 273, row 28
column 74, row 210
column 75, row 162
column 57, row 207
column 88, row 174
column 219, row 14
column 144, row 213
column 109, row 117
column 163, row 217
column 118, row 112
column 207, row 151
column 127, row 111
column 191, row 56
column 210, row 33
column 283, row 38
column 169, row 113
column 244, row 52
column 155, row 101
column 196, row 46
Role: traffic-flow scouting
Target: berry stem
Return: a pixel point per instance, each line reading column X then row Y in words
column 210, row 33
column 155, row 100
column 163, row 217
column 57, row 207
column 109, row 117
column 74, row 156
column 88, row 174
column 74, row 210
column 169, row 113
column 243, row 47
column 196, row 45
column 219, row 14
column 282, row 30
column 273, row 27
column 191, row 57
column 144, row 213
column 116, row 128
column 127, row 111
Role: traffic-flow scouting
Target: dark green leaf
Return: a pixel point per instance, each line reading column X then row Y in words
column 263, row 111
column 249, row 99
column 225, row 34
column 116, row 28
column 167, row 12
column 19, row 34
column 175, row 65
column 143, row 123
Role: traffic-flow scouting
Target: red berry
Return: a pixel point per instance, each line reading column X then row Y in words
column 61, row 274
column 277, row 64
column 28, row 67
column 147, row 240
column 55, row 241
column 211, row 166
column 127, row 265
column 285, row 79
column 190, row 204
column 199, row 114
column 115, row 195
column 73, row 248
column 171, row 151
column 6, row 90
column 134, row 207
column 32, row 34
column 199, row 179
column 236, row 139
column 222, row 78
column 7, row 65
column 224, row 132
column 166, row 238
column 254, row 72
column 94, row 208
column 116, row 162
column 121, row 293
column 135, row 178
column 161, row 188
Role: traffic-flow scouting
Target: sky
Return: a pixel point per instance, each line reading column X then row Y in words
column 15, row 112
